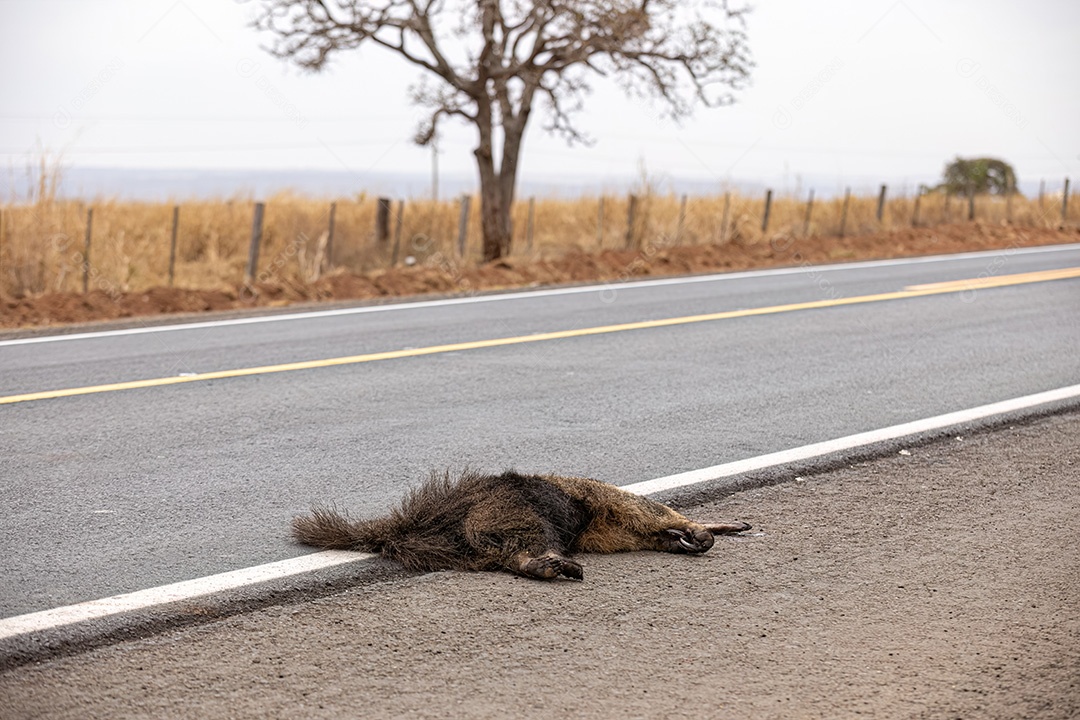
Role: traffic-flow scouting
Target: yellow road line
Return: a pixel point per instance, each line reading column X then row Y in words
column 910, row 292
column 981, row 283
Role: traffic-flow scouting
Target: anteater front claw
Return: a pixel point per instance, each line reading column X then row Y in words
column 572, row 570
column 688, row 541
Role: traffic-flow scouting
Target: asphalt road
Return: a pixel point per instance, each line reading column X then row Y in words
column 118, row 491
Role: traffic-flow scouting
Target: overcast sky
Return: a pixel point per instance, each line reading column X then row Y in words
column 844, row 92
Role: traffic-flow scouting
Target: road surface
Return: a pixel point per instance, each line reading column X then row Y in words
column 938, row 584
column 113, row 490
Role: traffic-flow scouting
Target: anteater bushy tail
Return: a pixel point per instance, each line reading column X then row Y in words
column 330, row 530
column 424, row 536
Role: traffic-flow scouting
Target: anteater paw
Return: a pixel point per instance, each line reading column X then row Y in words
column 549, row 567
column 687, row 540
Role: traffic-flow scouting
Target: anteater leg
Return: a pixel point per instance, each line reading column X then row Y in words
column 522, row 542
column 548, row 566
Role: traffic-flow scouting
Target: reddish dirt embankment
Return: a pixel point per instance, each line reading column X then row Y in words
column 607, row 265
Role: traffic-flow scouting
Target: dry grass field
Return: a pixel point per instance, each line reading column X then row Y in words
column 42, row 241
column 43, row 249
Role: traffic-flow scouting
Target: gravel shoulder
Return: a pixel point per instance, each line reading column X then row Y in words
column 942, row 583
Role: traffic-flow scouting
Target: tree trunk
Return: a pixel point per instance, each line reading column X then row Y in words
column 496, row 202
column 513, row 132
column 494, row 220
column 497, row 189
column 490, row 200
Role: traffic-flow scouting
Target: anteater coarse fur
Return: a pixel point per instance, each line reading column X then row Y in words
column 527, row 524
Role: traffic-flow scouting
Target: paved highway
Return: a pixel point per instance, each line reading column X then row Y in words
column 110, row 488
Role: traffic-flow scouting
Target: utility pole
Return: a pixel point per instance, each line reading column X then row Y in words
column 434, row 172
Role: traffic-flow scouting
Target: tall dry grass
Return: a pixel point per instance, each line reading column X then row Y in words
column 42, row 238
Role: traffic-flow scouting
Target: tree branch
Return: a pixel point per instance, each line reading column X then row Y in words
column 492, row 59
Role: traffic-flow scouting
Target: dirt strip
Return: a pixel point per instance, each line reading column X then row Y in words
column 942, row 582
column 109, row 301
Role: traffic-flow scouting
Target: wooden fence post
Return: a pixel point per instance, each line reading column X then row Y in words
column 843, row 210
column 881, row 205
column 1042, row 191
column 915, row 211
column 1008, row 205
column 382, row 221
column 256, row 238
column 328, row 258
column 971, row 203
column 809, row 209
column 682, row 220
column 172, row 243
column 463, row 224
column 397, row 231
column 724, row 217
column 631, row 213
column 768, row 207
column 529, row 224
column 86, row 251
column 1065, row 203
column 600, row 224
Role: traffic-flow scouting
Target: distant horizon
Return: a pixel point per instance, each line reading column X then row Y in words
column 165, row 184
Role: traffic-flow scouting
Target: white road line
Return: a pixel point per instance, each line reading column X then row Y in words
column 186, row 590
column 852, row 441
column 550, row 292
column 191, row 589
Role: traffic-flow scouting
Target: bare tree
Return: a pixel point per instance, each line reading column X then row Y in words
column 488, row 61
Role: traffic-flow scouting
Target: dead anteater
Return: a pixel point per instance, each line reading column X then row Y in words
column 527, row 524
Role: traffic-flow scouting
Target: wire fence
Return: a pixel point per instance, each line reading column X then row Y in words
column 55, row 245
